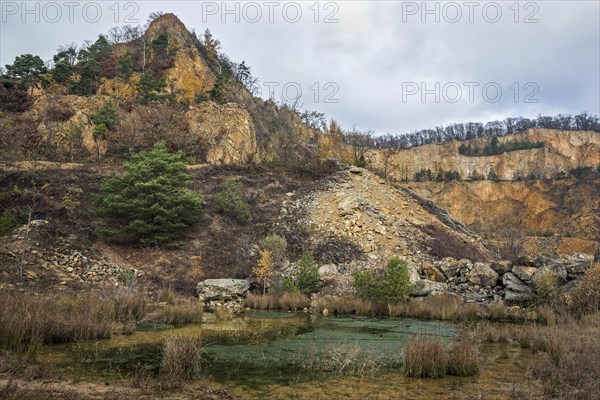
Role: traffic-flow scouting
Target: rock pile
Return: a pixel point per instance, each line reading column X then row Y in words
column 356, row 221
column 60, row 260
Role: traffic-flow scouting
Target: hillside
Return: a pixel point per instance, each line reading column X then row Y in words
column 166, row 85
column 345, row 217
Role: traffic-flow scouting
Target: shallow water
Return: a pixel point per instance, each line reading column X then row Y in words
column 287, row 355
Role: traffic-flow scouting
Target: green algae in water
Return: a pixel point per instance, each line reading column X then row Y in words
column 259, row 348
column 331, row 345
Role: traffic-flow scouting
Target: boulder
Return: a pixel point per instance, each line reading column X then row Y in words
column 515, row 289
column 453, row 268
column 577, row 264
column 328, row 269
column 483, row 275
column 425, row 287
column 222, row 289
column 559, row 272
column 433, row 273
column 501, row 267
column 413, row 274
column 523, row 273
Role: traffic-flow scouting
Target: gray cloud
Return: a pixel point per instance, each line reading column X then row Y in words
column 372, row 51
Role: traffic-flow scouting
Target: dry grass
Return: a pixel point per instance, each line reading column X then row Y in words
column 181, row 358
column 443, row 307
column 463, row 358
column 497, row 311
column 567, row 363
column 278, row 301
column 567, row 353
column 27, row 322
column 345, row 305
column 493, row 333
column 585, row 298
column 344, row 360
column 182, row 312
column 293, row 301
column 129, row 305
column 425, row 357
column 224, row 314
column 166, row 295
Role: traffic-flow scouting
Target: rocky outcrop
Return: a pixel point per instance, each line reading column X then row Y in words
column 482, row 275
column 189, row 74
column 516, row 290
column 425, row 287
column 227, row 132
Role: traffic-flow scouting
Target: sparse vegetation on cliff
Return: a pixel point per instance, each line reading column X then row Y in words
column 494, row 147
column 231, row 201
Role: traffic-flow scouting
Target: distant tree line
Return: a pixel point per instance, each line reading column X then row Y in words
column 474, row 130
column 494, row 147
column 426, row 175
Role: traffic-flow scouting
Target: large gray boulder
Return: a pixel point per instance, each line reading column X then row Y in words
column 425, row 287
column 516, row 290
column 524, row 273
column 483, row 275
column 559, row 272
column 501, row 267
column 222, row 289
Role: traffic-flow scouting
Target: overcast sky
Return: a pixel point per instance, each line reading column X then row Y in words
column 390, row 66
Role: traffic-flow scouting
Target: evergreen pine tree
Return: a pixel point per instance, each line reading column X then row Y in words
column 149, row 204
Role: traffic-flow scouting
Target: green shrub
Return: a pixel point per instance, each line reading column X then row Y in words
column 288, row 285
column 231, row 201
column 493, row 176
column 277, row 246
column 7, row 223
column 308, row 274
column 581, row 172
column 560, row 175
column 105, row 119
column 150, row 203
column 494, row 147
column 127, row 277
column 391, row 285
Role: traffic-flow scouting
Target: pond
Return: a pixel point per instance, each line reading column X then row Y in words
column 291, row 355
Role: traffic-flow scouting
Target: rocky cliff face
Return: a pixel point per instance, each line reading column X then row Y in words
column 190, row 74
column 224, row 133
column 561, row 206
column 227, row 131
column 562, row 151
column 187, row 74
